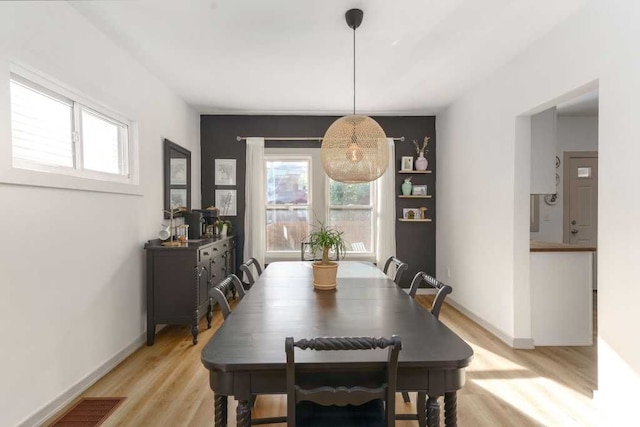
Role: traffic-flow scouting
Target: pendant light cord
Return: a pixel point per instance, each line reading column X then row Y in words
column 354, row 71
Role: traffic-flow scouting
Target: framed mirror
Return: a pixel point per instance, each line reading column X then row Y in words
column 177, row 177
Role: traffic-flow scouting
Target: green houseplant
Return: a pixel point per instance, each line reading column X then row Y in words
column 324, row 238
column 220, row 223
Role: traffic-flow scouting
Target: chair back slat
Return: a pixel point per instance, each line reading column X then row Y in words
column 401, row 267
column 342, row 395
column 219, row 293
column 246, row 269
column 442, row 290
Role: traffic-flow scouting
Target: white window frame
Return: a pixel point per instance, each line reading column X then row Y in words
column 319, row 201
column 25, row 172
column 294, row 254
column 373, row 188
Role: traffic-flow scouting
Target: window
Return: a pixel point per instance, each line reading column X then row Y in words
column 292, row 207
column 351, row 210
column 288, row 202
column 54, row 133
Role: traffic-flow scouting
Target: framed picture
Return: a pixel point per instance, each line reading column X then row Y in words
column 178, row 172
column 407, row 163
column 225, row 171
column 411, row 213
column 419, row 190
column 226, row 202
column 178, row 198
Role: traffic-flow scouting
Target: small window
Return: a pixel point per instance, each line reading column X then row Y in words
column 54, row 133
column 584, row 172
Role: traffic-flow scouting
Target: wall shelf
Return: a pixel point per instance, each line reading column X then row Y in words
column 428, row 196
column 414, row 220
column 414, row 172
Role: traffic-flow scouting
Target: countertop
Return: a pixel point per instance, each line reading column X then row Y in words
column 537, row 246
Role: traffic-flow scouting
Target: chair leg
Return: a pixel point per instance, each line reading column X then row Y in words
column 421, row 405
column 405, row 397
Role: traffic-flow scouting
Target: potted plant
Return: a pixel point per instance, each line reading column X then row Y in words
column 325, row 238
column 220, row 226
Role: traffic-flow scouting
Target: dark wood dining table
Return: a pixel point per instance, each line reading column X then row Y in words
column 246, row 356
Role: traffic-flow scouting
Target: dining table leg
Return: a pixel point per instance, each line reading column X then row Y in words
column 243, row 413
column 220, row 410
column 433, row 412
column 450, row 409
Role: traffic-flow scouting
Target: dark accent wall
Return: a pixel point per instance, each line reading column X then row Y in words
column 415, row 242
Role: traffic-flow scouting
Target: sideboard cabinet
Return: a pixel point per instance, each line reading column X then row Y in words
column 179, row 279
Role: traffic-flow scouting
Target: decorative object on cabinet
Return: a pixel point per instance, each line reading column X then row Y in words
column 325, row 239
column 223, row 226
column 226, row 202
column 406, row 186
column 179, row 279
column 225, row 172
column 421, row 161
column 177, row 178
column 419, row 190
column 172, row 229
column 354, row 148
column 407, row 163
column 164, row 232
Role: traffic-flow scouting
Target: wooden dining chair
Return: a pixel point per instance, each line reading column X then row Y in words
column 219, row 293
column 248, row 274
column 442, row 292
column 401, row 267
column 345, row 398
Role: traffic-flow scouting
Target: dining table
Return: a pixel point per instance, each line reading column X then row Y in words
column 246, row 355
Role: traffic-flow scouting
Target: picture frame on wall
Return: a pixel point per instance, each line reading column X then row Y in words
column 419, row 190
column 406, row 163
column 226, row 202
column 178, row 171
column 225, row 172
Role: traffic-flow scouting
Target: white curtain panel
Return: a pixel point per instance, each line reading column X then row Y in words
column 386, row 206
column 254, row 213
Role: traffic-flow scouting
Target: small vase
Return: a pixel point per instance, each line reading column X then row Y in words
column 406, row 187
column 421, row 163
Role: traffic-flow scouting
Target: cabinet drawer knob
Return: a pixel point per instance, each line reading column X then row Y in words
column 205, row 253
column 215, row 249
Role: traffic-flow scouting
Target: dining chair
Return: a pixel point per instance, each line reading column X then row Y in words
column 345, row 398
column 219, row 293
column 306, row 254
column 442, row 292
column 401, row 267
column 246, row 269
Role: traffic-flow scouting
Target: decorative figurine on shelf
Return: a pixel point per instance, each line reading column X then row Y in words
column 411, row 214
column 423, row 212
column 406, row 186
column 421, row 162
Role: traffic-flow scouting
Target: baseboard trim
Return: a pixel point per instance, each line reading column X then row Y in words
column 50, row 409
column 517, row 343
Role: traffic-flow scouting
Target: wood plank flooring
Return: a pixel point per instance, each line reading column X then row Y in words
column 166, row 385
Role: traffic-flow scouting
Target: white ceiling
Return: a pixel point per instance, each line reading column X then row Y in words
column 295, row 56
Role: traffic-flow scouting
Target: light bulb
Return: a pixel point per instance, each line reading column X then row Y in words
column 354, row 153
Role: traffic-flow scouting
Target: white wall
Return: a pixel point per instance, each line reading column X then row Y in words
column 72, row 262
column 483, row 226
column 574, row 134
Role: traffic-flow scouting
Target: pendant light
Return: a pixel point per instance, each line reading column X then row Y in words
column 354, row 148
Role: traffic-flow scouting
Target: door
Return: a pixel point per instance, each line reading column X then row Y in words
column 581, row 198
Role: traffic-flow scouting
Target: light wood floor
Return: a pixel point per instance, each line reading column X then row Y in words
column 166, row 385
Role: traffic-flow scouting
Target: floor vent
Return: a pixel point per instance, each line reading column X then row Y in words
column 88, row 412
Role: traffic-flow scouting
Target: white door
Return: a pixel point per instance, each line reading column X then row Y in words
column 581, row 213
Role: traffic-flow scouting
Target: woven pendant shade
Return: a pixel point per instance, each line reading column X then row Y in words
column 354, row 150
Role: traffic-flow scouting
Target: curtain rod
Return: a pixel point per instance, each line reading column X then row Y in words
column 298, row 138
